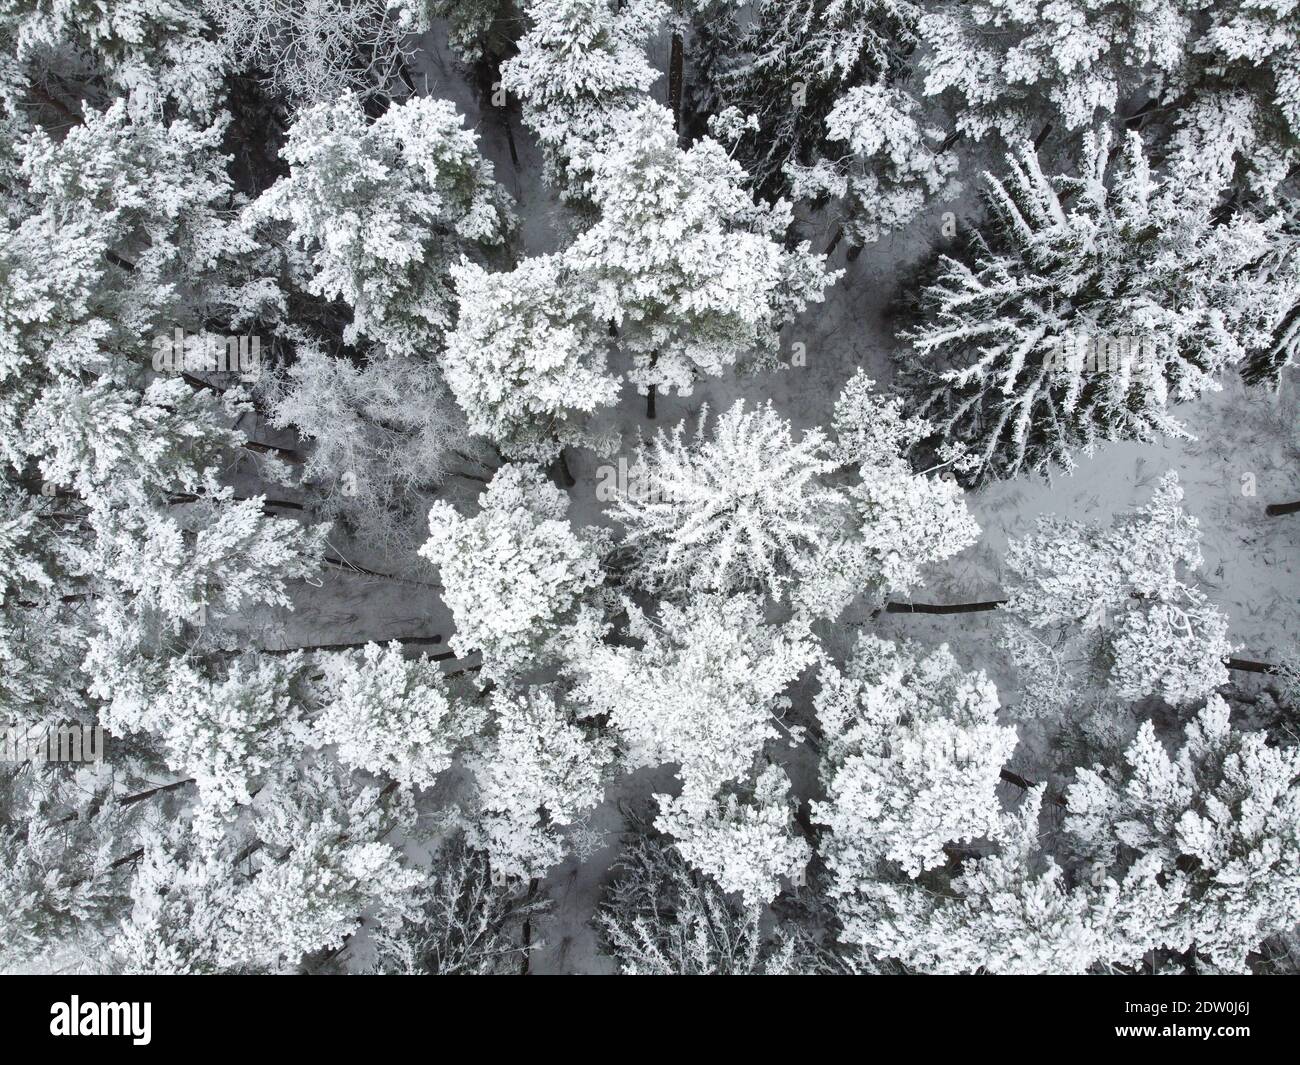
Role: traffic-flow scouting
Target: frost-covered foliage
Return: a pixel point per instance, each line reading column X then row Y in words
column 703, row 691
column 688, row 267
column 747, row 507
column 1015, row 912
column 153, row 54
column 382, row 209
column 910, row 761
column 467, row 922
column 527, row 359
column 311, row 50
column 390, row 715
column 539, row 773
column 1115, row 600
column 793, row 63
column 521, row 583
column 314, row 860
column 580, row 67
column 385, row 435
column 1219, row 824
column 741, row 508
column 889, row 168
column 1013, row 64
column 745, row 842
column 1087, row 307
column 659, row 918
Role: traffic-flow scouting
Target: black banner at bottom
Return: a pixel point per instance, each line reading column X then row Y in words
column 141, row 1015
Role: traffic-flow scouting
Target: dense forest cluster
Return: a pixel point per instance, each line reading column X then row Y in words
column 424, row 548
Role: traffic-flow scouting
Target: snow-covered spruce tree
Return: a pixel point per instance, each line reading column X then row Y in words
column 1086, row 308
column 468, row 923
column 703, row 691
column 791, row 65
column 540, row 772
column 1220, row 822
column 910, row 762
column 689, row 268
column 660, row 918
column 889, row 168
column 1115, row 602
column 152, row 54
column 580, row 67
column 1011, row 67
column 312, row 51
column 742, row 508
column 527, row 359
column 392, row 716
column 313, row 860
column 382, row 209
column 522, row 584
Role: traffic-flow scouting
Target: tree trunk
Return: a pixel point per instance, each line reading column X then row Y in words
column 528, row 929
column 835, row 241
column 565, row 472
column 1276, row 510
column 676, row 63
column 1246, row 665
column 942, row 608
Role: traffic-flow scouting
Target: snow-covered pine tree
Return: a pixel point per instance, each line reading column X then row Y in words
column 745, row 841
column 1219, row 823
column 705, row 690
column 527, row 359
column 659, row 917
column 382, row 209
column 539, row 773
column 742, row 508
column 889, row 167
column 1087, row 307
column 580, row 67
column 749, row 507
column 910, row 761
column 686, row 265
column 468, row 922
column 313, row 861
column 1011, row 67
column 1116, row 603
column 522, row 584
column 390, row 715
column 790, row 65
column 154, row 55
